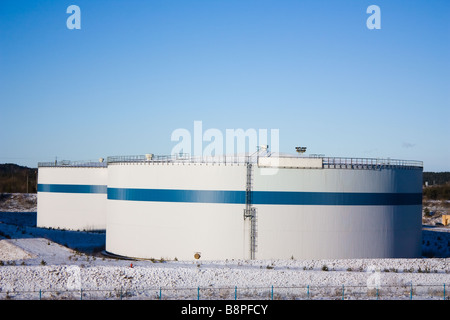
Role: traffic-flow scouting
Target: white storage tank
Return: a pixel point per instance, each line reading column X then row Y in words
column 264, row 207
column 175, row 209
column 72, row 195
column 348, row 208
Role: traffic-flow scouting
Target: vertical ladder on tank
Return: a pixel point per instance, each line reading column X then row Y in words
column 250, row 211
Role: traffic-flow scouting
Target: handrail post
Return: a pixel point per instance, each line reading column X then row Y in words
column 410, row 292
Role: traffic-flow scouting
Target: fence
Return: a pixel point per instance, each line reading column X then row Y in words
column 350, row 292
column 69, row 163
column 327, row 162
column 179, row 158
column 369, row 163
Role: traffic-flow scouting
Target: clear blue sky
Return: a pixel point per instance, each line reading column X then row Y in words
column 138, row 70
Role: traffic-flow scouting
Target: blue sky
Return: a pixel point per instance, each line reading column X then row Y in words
column 138, row 70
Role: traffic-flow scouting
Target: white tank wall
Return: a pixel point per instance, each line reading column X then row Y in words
column 318, row 232
column 338, row 180
column 152, row 229
column 339, row 231
column 71, row 209
column 157, row 229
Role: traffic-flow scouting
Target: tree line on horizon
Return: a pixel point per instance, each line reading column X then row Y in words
column 436, row 178
column 436, row 186
column 17, row 179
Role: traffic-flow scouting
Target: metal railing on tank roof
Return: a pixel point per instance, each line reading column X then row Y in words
column 369, row 163
column 178, row 158
column 328, row 162
column 68, row 163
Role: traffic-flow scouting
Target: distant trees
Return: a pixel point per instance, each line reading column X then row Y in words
column 437, row 192
column 436, row 178
column 17, row 179
column 438, row 185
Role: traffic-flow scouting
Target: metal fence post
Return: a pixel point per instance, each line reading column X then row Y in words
column 40, row 294
column 198, row 293
column 307, row 291
column 272, row 293
column 444, row 291
column 342, row 292
column 410, row 292
column 160, row 294
column 235, row 292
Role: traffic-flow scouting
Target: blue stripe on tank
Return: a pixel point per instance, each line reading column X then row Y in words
column 170, row 195
column 335, row 198
column 265, row 197
column 238, row 197
column 72, row 188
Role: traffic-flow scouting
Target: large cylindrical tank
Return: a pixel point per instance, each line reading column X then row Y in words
column 285, row 208
column 72, row 196
column 175, row 210
column 344, row 211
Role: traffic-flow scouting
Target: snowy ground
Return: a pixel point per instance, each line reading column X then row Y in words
column 53, row 264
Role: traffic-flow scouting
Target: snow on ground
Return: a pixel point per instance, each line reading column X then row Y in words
column 9, row 251
column 12, row 202
column 55, row 264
